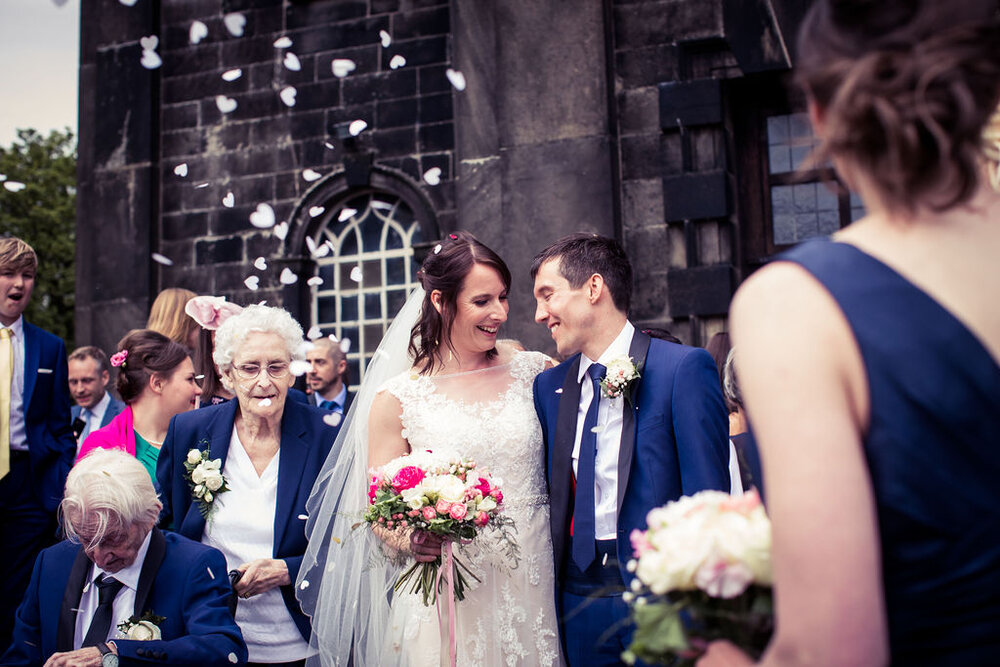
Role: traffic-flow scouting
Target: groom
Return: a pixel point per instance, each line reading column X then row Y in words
column 612, row 459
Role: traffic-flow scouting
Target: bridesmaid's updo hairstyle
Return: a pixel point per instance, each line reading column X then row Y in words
column 905, row 89
column 445, row 269
column 146, row 352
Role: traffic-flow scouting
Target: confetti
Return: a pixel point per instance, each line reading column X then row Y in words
column 305, row 584
column 14, row 186
column 310, row 244
column 345, row 345
column 397, row 61
column 559, row 390
column 235, row 23
column 283, row 42
column 158, row 258
column 281, row 230
column 303, row 517
column 386, row 38
column 229, row 200
column 150, row 59
column 199, row 377
column 292, row 62
column 437, row 248
column 457, row 78
column 225, row 104
column 321, row 251
column 198, row 32
column 128, row 3
column 329, row 145
column 210, row 573
column 314, row 333
column 252, row 283
column 333, row 337
column 315, row 281
column 311, row 175
column 433, row 175
column 299, row 367
column 287, row 95
column 341, row 67
column 332, row 419
column 356, row 274
column 287, row 277
column 232, row 74
column 357, row 127
column 315, row 211
column 264, row 402
column 260, row 264
column 346, row 213
column 181, row 169
column 149, row 43
column 233, row 659
column 199, row 186
column 597, row 429
column 263, row 217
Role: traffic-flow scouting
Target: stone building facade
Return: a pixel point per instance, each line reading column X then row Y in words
column 663, row 123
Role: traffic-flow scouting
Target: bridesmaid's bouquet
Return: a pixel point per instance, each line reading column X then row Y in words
column 441, row 494
column 703, row 572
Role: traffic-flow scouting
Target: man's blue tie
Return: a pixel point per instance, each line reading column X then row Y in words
column 584, row 549
column 331, row 405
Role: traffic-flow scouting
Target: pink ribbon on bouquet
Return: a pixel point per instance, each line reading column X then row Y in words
column 448, row 564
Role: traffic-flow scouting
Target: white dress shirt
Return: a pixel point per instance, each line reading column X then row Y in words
column 242, row 528
column 609, row 415
column 339, row 399
column 124, row 604
column 18, row 431
column 93, row 418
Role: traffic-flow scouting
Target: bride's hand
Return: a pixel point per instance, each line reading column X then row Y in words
column 425, row 546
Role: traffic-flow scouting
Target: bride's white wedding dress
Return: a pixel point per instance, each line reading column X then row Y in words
column 508, row 617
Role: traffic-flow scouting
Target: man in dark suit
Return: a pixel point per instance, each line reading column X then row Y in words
column 629, row 424
column 328, row 377
column 88, row 384
column 87, row 594
column 36, row 442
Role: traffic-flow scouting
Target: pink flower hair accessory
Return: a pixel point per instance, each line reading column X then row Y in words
column 118, row 358
column 211, row 311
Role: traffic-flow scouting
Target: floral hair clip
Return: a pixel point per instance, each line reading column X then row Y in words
column 211, row 311
column 118, row 358
column 454, row 237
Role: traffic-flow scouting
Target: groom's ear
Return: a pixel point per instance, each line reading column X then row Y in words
column 595, row 287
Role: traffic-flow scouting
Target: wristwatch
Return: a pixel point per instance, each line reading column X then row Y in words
column 108, row 658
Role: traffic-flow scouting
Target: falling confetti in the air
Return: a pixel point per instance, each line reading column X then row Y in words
column 287, row 277
column 281, row 230
column 210, row 573
column 356, row 274
column 160, row 259
column 181, row 169
column 305, row 584
column 283, row 42
column 329, row 145
column 559, row 390
column 225, row 104
column 345, row 345
column 437, row 248
column 264, row 402
column 332, row 419
column 263, row 217
column 299, row 367
column 150, row 59
column 199, row 186
column 341, row 67
column 252, row 283
column 357, row 127
column 303, row 517
column 314, row 332
column 315, row 281
column 311, row 175
column 346, row 213
column 597, row 429
column 315, row 211
column 457, row 78
column 287, row 95
column 433, row 175
column 292, row 62
column 235, row 23
column 14, row 186
column 397, row 61
column 260, row 264
column 386, row 38
column 198, row 32
column 232, row 74
column 229, row 200
column 128, row 3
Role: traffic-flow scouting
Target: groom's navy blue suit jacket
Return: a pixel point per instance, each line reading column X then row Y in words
column 675, row 437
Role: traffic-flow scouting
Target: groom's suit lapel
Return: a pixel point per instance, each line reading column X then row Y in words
column 638, row 351
column 220, row 432
column 562, row 455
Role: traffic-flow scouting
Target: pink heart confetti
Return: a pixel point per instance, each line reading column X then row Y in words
column 162, row 259
column 263, row 217
column 287, row 277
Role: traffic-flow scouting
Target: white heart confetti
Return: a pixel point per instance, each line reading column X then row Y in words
column 329, row 145
column 229, row 200
column 198, row 32
column 287, row 277
column 333, row 337
column 299, row 367
column 342, row 67
column 181, row 169
column 263, row 217
column 260, row 264
column 160, row 259
column 225, row 104
column 60, row 3
column 381, row 205
column 264, row 402
column 356, row 274
column 345, row 345
column 385, row 37
column 235, row 23
column 292, row 62
column 316, row 210
column 252, row 283
column 321, row 251
column 357, row 127
column 149, row 43
column 597, row 429
column 303, row 517
column 314, row 332
column 433, row 175
column 314, row 281
column 199, row 186
column 437, row 248
column 457, row 78
column 14, row 186
column 310, row 244
column 311, row 175
column 305, row 584
column 283, row 42
column 397, row 61
column 150, row 59
column 128, row 3
column 233, row 659
column 332, row 419
column 287, row 95
column 346, row 213
column 559, row 390
column 232, row 74
column 281, row 230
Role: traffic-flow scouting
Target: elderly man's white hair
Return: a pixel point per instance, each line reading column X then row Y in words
column 106, row 493
column 264, row 319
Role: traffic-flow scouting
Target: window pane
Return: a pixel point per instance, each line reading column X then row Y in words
column 805, row 226
column 779, row 159
column 777, row 130
column 326, row 309
column 326, row 273
column 395, row 271
column 373, row 336
column 371, row 232
column 828, row 221
column 348, row 308
column 373, row 273
column 805, row 198
column 393, row 241
column 373, row 306
column 799, row 127
column 782, row 201
column 394, row 300
column 350, row 245
column 784, row 229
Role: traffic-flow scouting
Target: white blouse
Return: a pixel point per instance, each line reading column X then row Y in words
column 242, row 528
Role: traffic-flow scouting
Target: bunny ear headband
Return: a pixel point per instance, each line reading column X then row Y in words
column 211, row 311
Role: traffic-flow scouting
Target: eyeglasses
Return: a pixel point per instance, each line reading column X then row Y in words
column 252, row 371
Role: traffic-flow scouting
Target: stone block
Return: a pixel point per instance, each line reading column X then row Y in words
column 395, row 142
column 307, row 14
column 183, row 142
column 640, row 156
column 245, row 51
column 434, row 80
column 379, row 86
column 339, row 35
column 642, row 206
column 408, row 25
column 396, row 113
column 638, row 110
column 184, row 226
column 698, row 196
column 316, row 96
column 646, row 66
column 438, row 137
column 184, row 58
column 701, row 290
column 219, row 251
column 436, row 108
column 423, row 51
column 651, row 23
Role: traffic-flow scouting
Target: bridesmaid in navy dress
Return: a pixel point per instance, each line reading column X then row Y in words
column 869, row 361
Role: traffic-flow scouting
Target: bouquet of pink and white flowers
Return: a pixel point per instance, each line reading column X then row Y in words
column 442, row 494
column 703, row 572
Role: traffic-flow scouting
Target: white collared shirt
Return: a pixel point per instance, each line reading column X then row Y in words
column 124, row 604
column 609, row 415
column 94, row 417
column 339, row 399
column 18, row 431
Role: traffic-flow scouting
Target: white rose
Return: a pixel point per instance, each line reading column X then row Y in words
column 208, row 496
column 487, row 504
column 144, row 631
column 214, row 464
column 414, row 497
column 213, row 481
column 193, row 457
column 451, row 489
column 198, row 474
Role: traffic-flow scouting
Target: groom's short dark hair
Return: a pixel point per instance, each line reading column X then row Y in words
column 582, row 255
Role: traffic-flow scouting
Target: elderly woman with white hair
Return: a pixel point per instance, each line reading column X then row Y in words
column 236, row 476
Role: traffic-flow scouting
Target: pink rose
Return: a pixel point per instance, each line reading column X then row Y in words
column 407, row 478
column 640, row 542
column 484, row 486
column 482, row 518
column 497, row 494
column 458, row 511
column 429, row 513
column 372, row 490
column 442, row 506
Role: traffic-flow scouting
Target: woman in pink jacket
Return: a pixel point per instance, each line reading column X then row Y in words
column 156, row 381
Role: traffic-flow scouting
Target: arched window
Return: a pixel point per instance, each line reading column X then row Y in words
column 368, row 273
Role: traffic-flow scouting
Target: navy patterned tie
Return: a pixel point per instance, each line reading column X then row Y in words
column 100, row 625
column 584, row 536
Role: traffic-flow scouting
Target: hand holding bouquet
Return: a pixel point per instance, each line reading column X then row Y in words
column 703, row 572
column 441, row 494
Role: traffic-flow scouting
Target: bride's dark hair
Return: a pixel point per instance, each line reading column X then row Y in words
column 444, row 270
column 905, row 89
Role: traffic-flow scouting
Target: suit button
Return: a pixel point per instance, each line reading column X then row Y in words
column 140, row 651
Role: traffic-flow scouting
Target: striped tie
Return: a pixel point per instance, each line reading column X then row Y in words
column 6, row 378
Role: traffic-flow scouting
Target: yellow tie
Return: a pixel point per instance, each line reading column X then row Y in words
column 6, row 377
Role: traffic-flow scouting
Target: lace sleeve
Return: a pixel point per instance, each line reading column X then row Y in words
column 526, row 365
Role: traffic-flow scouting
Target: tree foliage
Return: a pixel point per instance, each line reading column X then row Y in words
column 43, row 214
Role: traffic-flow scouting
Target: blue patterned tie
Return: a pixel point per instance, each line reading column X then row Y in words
column 331, row 405
column 584, row 549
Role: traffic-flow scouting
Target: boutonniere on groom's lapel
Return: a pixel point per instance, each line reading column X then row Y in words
column 205, row 477
column 142, row 628
column 619, row 378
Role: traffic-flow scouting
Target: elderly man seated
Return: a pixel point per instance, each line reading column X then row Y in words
column 119, row 591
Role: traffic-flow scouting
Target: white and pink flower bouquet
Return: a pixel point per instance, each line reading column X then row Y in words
column 703, row 572
column 442, row 494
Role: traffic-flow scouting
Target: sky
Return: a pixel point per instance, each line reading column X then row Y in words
column 39, row 65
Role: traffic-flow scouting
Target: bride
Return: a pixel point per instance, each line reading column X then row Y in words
column 439, row 380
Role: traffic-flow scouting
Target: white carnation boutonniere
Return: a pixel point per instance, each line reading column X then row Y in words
column 619, row 378
column 204, row 474
column 142, row 628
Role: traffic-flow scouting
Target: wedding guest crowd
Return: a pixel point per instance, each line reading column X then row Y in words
column 89, row 374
